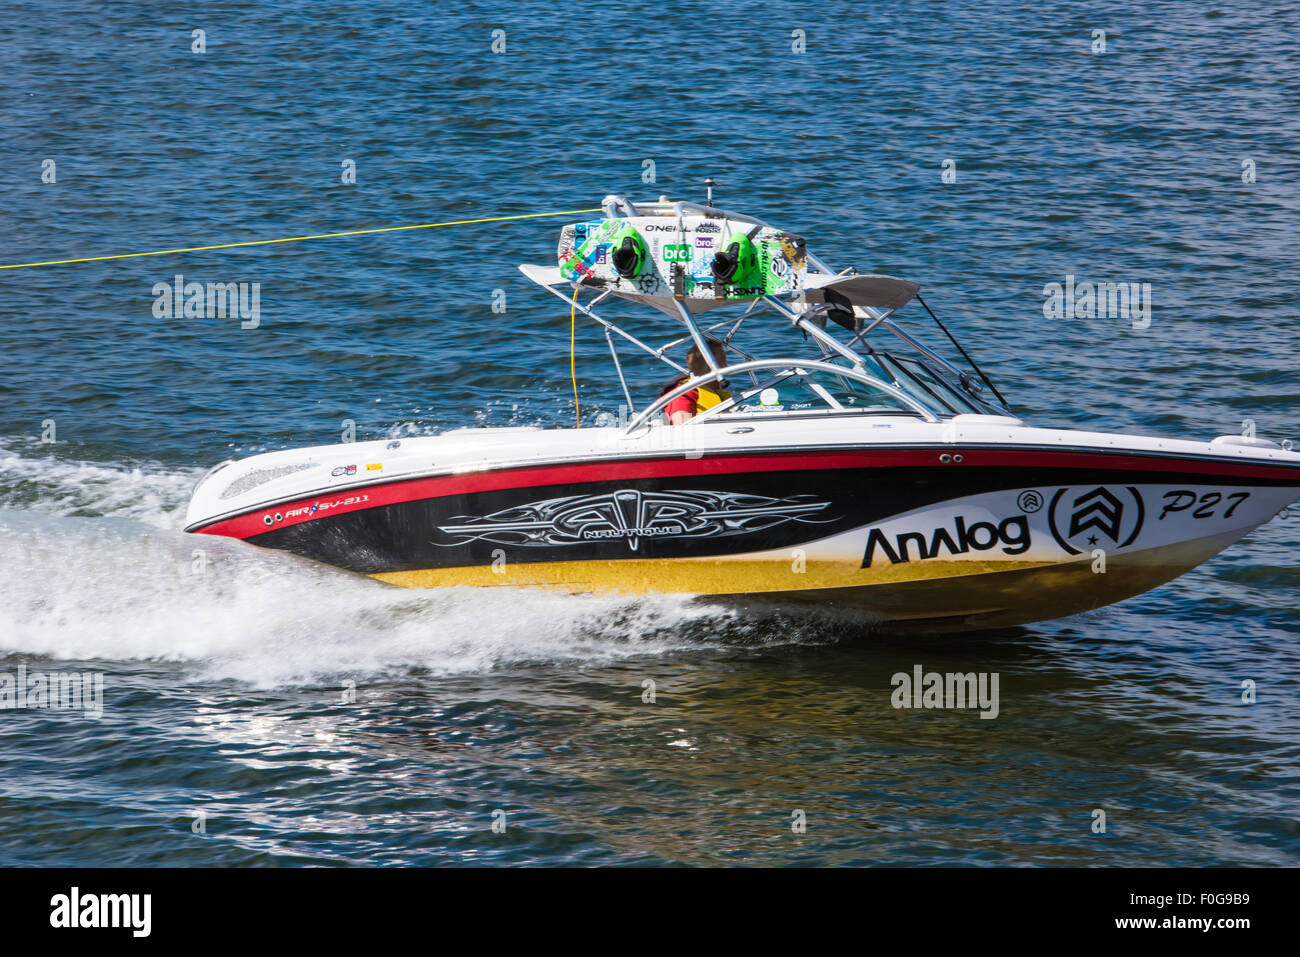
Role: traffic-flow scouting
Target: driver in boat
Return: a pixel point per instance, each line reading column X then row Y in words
column 687, row 406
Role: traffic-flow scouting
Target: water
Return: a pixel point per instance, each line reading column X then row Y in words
column 224, row 690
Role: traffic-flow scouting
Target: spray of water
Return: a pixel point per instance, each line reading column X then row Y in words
column 96, row 568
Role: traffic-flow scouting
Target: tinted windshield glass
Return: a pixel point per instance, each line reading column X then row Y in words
column 798, row 391
column 953, row 397
column 918, row 381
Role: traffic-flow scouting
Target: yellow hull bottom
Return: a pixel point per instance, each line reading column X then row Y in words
column 942, row 595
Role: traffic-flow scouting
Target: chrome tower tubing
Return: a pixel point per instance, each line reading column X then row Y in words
column 825, row 338
column 618, row 367
column 612, row 327
column 705, row 352
column 611, row 203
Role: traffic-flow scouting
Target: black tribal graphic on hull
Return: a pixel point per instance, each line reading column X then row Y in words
column 631, row 515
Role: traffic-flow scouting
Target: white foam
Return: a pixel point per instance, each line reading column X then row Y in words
column 93, row 567
column 88, row 589
column 40, row 478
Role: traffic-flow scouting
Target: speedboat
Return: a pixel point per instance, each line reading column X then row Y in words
column 871, row 475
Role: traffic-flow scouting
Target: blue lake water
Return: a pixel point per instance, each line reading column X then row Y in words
column 224, row 693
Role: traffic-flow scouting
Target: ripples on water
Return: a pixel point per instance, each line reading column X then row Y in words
column 224, row 689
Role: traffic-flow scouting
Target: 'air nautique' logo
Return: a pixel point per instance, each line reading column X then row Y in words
column 315, row 508
column 631, row 515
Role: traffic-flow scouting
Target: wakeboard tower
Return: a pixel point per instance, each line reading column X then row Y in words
column 871, row 475
column 703, row 260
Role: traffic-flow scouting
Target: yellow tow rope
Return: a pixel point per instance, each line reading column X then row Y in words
column 296, row 239
column 573, row 365
column 573, row 313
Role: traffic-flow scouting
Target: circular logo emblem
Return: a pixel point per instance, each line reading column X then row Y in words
column 1082, row 519
column 1030, row 501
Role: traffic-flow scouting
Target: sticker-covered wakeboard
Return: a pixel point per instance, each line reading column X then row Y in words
column 701, row 260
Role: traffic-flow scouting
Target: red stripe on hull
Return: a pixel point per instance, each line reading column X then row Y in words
column 407, row 490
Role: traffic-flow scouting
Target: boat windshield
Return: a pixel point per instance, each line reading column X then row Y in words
column 923, row 383
column 799, row 390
